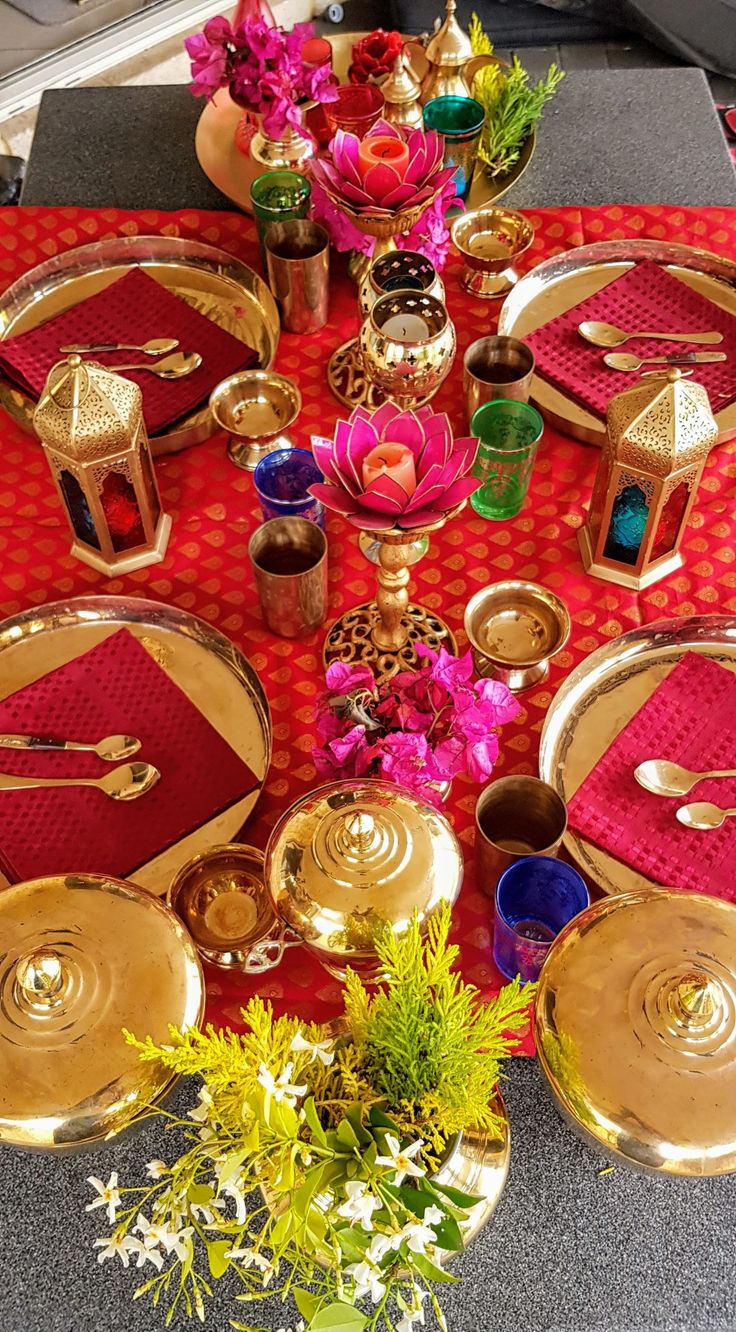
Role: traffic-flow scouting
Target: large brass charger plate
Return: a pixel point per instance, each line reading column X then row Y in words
column 600, row 697
column 233, row 172
column 210, row 670
column 219, row 286
column 562, row 282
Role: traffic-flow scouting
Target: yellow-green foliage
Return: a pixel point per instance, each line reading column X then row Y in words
column 512, row 107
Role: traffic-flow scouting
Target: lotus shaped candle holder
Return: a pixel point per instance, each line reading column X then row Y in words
column 383, row 633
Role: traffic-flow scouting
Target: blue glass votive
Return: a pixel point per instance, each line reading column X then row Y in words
column 535, row 899
column 282, row 480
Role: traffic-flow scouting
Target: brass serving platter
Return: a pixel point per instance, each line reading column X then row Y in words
column 559, row 283
column 210, row 670
column 232, row 172
column 211, row 280
column 600, row 697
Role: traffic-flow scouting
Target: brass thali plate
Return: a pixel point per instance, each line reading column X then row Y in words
column 206, row 666
column 562, row 282
column 219, row 286
column 600, row 697
column 233, row 172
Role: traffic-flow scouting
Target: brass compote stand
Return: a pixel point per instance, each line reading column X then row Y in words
column 383, row 634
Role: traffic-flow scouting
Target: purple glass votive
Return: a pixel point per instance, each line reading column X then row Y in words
column 535, row 899
column 282, row 480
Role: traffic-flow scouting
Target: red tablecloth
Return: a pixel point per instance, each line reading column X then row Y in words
column 206, row 566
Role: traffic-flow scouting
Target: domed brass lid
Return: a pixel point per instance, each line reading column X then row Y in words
column 82, row 957
column 354, row 856
column 635, row 1023
column 449, row 45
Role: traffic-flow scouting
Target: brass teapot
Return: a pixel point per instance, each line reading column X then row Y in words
column 448, row 55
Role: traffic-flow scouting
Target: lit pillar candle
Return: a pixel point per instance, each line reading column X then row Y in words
column 394, row 460
column 380, row 150
column 406, row 328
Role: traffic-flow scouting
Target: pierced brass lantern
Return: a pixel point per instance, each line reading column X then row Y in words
column 659, row 434
column 635, row 1028
column 90, row 422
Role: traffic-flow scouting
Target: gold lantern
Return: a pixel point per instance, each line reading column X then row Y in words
column 659, row 434
column 90, row 422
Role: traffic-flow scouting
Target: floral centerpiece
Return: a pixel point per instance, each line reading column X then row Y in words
column 312, row 1165
column 420, row 729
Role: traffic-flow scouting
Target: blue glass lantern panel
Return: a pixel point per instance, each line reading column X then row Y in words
column 627, row 525
column 78, row 509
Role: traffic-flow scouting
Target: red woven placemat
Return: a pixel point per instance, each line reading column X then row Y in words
column 646, row 297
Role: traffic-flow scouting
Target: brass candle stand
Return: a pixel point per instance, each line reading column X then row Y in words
column 383, row 634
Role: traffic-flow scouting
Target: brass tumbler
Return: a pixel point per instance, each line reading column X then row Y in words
column 515, row 817
column 298, row 264
column 496, row 367
column 289, row 558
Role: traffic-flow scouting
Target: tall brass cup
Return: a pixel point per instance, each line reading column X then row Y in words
column 515, row 817
column 289, row 558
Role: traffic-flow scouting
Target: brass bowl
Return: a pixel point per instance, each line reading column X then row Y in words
column 221, row 898
column 514, row 629
column 491, row 241
column 408, row 368
column 256, row 407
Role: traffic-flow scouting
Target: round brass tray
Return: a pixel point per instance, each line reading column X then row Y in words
column 206, row 666
column 600, row 697
column 232, row 172
column 562, row 282
column 211, row 280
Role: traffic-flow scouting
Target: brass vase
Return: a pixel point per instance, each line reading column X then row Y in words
column 291, row 152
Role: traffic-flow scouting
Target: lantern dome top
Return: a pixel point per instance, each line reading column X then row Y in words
column 662, row 424
column 86, row 411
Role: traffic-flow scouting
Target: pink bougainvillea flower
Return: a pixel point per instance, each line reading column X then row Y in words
column 347, row 755
column 383, row 190
column 407, row 759
column 342, row 678
column 441, row 462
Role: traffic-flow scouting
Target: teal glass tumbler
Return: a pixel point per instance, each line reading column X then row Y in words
column 278, row 196
column 509, row 434
column 459, row 120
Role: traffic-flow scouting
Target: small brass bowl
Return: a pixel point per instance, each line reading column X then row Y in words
column 256, row 407
column 491, row 241
column 221, row 898
column 514, row 629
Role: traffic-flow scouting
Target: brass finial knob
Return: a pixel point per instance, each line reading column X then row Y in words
column 360, row 828
column 41, row 977
column 695, row 999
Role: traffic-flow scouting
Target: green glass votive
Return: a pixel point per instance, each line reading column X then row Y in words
column 459, row 120
column 277, row 196
column 509, row 434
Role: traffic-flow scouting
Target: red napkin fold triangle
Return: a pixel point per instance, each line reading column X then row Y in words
column 115, row 688
column 645, row 297
column 689, row 719
column 133, row 309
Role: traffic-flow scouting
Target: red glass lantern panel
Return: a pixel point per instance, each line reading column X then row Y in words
column 120, row 506
column 627, row 525
column 149, row 484
column 78, row 509
column 670, row 521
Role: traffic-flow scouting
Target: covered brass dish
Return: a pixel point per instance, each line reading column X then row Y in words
column 353, row 857
column 635, row 1025
column 84, row 956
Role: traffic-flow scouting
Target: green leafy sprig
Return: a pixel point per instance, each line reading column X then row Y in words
column 513, row 107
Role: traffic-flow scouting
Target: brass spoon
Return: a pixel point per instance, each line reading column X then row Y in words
column 154, row 347
column 626, row 361
column 112, row 749
column 126, row 782
column 608, row 335
column 703, row 816
column 172, row 367
column 669, row 779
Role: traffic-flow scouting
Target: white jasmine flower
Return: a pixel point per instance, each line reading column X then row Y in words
column 417, row 1235
column 245, row 1256
column 306, row 1158
column 156, row 1169
column 433, row 1216
column 117, row 1246
column 401, row 1159
column 415, row 1313
column 281, row 1088
column 177, row 1242
column 109, row 1196
column 322, row 1050
column 300, row 1327
column 234, row 1190
column 380, row 1246
column 360, row 1205
column 144, row 1253
column 250, row 1257
column 157, row 1235
column 201, row 1112
column 207, row 1134
column 207, row 1213
column 367, row 1278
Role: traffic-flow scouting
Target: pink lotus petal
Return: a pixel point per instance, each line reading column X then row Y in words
column 437, row 450
column 368, row 522
column 382, row 129
column 460, row 491
column 383, row 495
column 404, row 429
column 324, row 457
column 333, row 498
column 345, row 149
column 466, row 449
column 429, row 488
column 381, row 180
column 400, row 195
column 353, row 441
column 420, row 518
column 356, row 195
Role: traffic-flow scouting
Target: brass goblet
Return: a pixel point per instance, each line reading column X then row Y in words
column 397, row 270
column 491, row 241
column 408, row 345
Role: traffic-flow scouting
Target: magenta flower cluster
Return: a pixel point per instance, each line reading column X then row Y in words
column 419, row 730
column 261, row 66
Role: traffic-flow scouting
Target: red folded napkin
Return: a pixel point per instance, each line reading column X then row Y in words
column 645, row 297
column 115, row 688
column 133, row 309
column 690, row 719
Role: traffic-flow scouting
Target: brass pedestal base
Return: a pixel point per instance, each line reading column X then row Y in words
column 489, row 286
column 246, row 453
column 348, row 381
column 351, row 639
